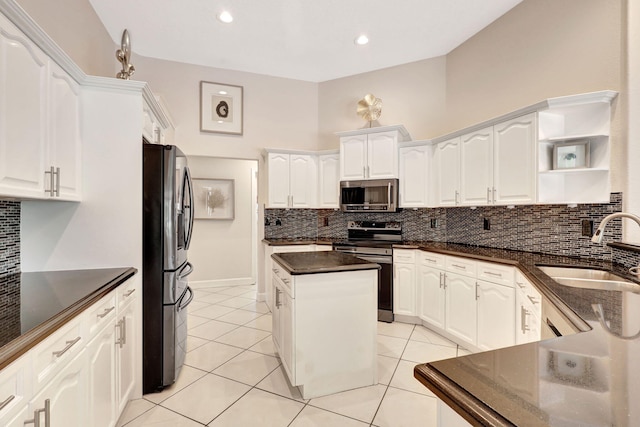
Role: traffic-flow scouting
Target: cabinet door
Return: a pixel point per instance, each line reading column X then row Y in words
column 278, row 180
column 382, row 155
column 287, row 334
column 23, row 121
column 496, row 316
column 276, row 313
column 461, row 308
column 64, row 138
column 414, row 173
column 404, row 298
column 431, row 296
column 67, row 395
column 329, row 181
column 476, row 167
column 126, row 354
column 515, row 160
column 303, row 180
column 447, row 159
column 353, row 151
column 102, row 378
column 18, row 419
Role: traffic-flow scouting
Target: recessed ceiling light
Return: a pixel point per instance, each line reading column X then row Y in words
column 362, row 40
column 225, row 17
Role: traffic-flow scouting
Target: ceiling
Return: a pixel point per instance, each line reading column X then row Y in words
column 311, row 40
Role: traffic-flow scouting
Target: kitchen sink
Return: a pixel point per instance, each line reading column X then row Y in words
column 588, row 278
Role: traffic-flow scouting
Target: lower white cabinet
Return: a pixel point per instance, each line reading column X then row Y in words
column 83, row 374
column 461, row 308
column 496, row 314
column 404, row 289
column 431, row 296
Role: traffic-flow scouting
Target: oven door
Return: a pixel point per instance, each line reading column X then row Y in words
column 385, row 285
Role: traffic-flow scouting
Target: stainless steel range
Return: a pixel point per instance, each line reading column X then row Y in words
column 373, row 241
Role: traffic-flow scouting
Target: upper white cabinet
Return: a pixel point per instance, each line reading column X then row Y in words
column 497, row 164
column 39, row 122
column 157, row 126
column 579, row 120
column 415, row 170
column 447, row 165
column 371, row 153
column 292, row 180
column 329, row 180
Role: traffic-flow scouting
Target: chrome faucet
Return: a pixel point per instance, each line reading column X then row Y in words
column 599, row 234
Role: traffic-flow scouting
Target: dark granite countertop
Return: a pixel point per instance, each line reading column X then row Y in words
column 297, row 263
column 291, row 242
column 34, row 305
column 582, row 379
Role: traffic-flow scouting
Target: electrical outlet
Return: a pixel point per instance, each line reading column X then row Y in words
column 587, row 227
column 278, row 221
column 487, row 224
column 434, row 222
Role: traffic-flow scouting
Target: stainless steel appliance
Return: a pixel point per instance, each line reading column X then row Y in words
column 373, row 241
column 167, row 225
column 372, row 195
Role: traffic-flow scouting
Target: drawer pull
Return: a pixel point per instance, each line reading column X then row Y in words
column 105, row 312
column 129, row 292
column 520, row 285
column 493, row 274
column 459, row 266
column 64, row 350
column 286, row 281
column 6, row 402
column 532, row 299
column 431, row 260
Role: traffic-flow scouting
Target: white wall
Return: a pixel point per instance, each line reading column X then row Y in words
column 222, row 251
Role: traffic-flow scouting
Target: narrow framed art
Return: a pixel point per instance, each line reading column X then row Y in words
column 221, row 108
column 214, row 198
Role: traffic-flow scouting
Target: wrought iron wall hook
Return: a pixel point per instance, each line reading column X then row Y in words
column 124, row 55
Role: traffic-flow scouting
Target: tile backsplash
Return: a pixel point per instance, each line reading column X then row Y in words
column 552, row 229
column 9, row 237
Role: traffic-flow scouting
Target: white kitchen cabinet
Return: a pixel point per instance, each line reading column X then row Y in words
column 283, row 323
column 461, row 307
column 496, row 315
column 404, row 282
column 431, row 296
column 329, row 181
column 447, row 166
column 528, row 311
column 268, row 264
column 415, row 170
column 66, row 394
column 44, row 133
column 15, row 392
column 292, row 180
column 102, row 376
column 371, row 153
column 476, row 167
column 127, row 339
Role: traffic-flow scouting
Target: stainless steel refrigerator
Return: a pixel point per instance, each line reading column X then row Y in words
column 167, row 229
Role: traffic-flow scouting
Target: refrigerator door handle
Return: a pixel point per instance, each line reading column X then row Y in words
column 183, row 274
column 189, row 219
column 182, row 304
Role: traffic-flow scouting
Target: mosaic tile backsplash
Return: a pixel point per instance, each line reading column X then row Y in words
column 551, row 229
column 9, row 237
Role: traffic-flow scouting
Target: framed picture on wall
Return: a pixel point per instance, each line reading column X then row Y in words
column 214, row 198
column 220, row 108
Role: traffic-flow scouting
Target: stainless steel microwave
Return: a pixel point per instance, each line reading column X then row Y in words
column 372, row 195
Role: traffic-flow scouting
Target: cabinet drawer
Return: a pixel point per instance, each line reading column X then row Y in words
column 431, row 259
column 529, row 292
column 100, row 313
column 14, row 387
column 284, row 278
column 126, row 292
column 294, row 248
column 404, row 256
column 462, row 266
column 496, row 273
column 52, row 354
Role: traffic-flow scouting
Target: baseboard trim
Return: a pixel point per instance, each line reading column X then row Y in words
column 261, row 297
column 240, row 281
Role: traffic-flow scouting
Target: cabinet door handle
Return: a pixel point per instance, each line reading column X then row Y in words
column 129, row 292
column 64, row 350
column 441, row 280
column 488, row 195
column 477, row 295
column 493, row 274
column 364, row 172
column 124, row 331
column 57, row 191
column 105, row 312
column 278, row 302
column 6, row 402
column 37, row 412
column 494, row 195
column 523, row 319
column 456, row 197
column 444, row 280
column 459, row 266
column 50, row 172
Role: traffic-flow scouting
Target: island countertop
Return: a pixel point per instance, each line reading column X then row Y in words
column 33, row 305
column 297, row 263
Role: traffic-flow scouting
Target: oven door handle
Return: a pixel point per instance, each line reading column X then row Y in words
column 376, row 259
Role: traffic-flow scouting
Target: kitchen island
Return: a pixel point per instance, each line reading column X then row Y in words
column 325, row 320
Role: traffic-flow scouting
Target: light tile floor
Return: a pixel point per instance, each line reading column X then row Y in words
column 233, row 377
